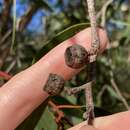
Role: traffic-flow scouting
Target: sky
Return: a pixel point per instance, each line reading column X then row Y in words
column 36, row 24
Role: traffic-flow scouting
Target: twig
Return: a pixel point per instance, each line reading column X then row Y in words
column 59, row 112
column 89, row 115
column 104, row 9
column 100, row 94
column 5, row 75
column 102, row 12
column 6, row 15
column 13, row 27
column 69, row 106
column 11, row 66
column 95, row 44
column 95, row 38
column 75, row 90
column 113, row 83
column 25, row 19
column 106, row 4
column 4, row 55
column 22, row 23
column 6, row 37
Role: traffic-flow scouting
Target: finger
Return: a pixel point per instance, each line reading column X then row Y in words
column 24, row 92
column 120, row 121
column 54, row 60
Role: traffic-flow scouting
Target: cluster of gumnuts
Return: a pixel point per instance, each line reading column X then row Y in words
column 76, row 57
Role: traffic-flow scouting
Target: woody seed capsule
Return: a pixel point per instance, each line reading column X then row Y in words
column 54, row 84
column 76, row 56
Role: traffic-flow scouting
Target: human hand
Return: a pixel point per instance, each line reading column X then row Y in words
column 120, row 121
column 24, row 92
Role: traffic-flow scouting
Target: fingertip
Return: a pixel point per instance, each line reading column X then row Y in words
column 102, row 37
column 84, row 38
column 55, row 58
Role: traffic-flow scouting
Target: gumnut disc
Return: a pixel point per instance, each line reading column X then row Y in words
column 76, row 56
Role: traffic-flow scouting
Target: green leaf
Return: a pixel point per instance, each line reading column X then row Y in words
column 60, row 37
column 113, row 93
column 46, row 122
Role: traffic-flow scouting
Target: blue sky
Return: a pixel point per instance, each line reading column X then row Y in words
column 36, row 24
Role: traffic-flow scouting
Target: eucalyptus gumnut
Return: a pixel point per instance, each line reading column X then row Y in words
column 76, row 56
column 54, row 84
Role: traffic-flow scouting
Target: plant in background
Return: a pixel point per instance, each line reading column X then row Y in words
column 111, row 84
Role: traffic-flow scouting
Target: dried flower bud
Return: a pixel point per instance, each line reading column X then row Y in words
column 54, row 84
column 76, row 56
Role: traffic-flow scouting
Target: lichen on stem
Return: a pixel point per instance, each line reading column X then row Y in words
column 94, row 33
column 95, row 44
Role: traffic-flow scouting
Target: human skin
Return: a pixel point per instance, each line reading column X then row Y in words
column 24, row 92
column 119, row 121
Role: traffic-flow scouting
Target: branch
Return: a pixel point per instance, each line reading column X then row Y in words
column 100, row 94
column 59, row 112
column 102, row 12
column 26, row 18
column 75, row 90
column 95, row 44
column 3, row 56
column 5, row 17
column 95, row 38
column 69, row 107
column 23, row 22
column 113, row 83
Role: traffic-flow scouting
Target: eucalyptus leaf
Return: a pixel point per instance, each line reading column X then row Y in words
column 113, row 93
column 60, row 37
column 45, row 120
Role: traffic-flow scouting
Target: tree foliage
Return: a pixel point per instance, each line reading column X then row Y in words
column 65, row 18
